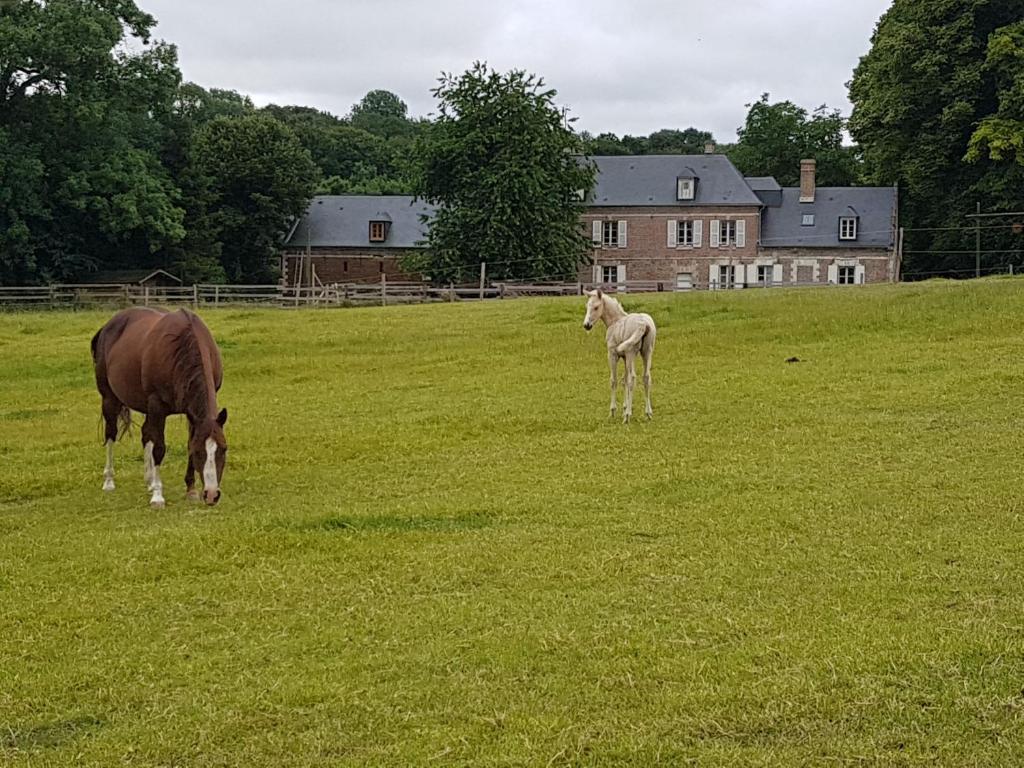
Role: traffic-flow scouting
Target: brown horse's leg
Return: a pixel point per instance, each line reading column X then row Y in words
column 111, row 410
column 190, row 473
column 154, row 448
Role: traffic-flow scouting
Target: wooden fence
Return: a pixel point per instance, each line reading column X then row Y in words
column 57, row 296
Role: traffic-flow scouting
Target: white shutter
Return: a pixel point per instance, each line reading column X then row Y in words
column 698, row 233
column 673, row 233
column 622, row 234
column 597, row 274
column 858, row 275
column 739, row 276
column 621, row 277
column 712, row 277
column 776, row 274
column 716, row 232
column 596, row 233
column 752, row 274
column 741, row 233
column 833, row 274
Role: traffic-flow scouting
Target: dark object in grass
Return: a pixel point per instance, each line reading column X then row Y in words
column 793, row 360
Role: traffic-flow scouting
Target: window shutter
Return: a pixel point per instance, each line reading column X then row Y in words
column 597, row 274
column 716, row 232
column 712, row 277
column 777, row 274
column 673, row 233
column 622, row 234
column 752, row 274
column 741, row 233
column 858, row 275
column 833, row 274
column 739, row 279
column 698, row 233
column 596, row 233
column 621, row 277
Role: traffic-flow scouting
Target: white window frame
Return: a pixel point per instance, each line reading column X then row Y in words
column 765, row 274
column 684, row 235
column 614, row 274
column 727, row 233
column 610, row 234
column 846, row 275
column 807, row 220
column 847, row 227
column 726, row 276
column 685, row 189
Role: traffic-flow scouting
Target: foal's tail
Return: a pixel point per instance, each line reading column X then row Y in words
column 633, row 341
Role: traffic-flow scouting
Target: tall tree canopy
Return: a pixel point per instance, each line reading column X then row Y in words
column 506, row 170
column 776, row 137
column 939, row 74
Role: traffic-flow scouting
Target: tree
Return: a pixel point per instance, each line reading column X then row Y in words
column 505, row 170
column 382, row 113
column 776, row 137
column 82, row 125
column 939, row 74
column 258, row 178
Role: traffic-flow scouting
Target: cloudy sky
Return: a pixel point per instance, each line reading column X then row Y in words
column 625, row 67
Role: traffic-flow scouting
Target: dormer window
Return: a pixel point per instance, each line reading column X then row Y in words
column 378, row 231
column 686, row 188
column 847, row 227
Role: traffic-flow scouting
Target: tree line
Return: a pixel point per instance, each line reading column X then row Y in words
column 108, row 160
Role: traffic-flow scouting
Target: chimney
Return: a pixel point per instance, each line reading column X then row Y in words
column 709, row 147
column 808, row 169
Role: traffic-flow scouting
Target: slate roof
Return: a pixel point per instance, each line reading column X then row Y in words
column 650, row 180
column 766, row 188
column 343, row 221
column 873, row 206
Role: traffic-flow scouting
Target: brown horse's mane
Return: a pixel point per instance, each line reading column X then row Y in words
column 193, row 392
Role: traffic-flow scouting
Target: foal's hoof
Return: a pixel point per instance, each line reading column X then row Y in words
column 157, row 504
column 192, row 495
column 108, row 485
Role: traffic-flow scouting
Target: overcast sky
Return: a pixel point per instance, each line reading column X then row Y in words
column 625, row 67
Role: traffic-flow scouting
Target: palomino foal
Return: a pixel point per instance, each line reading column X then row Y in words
column 627, row 334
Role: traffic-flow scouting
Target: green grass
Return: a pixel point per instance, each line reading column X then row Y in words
column 435, row 549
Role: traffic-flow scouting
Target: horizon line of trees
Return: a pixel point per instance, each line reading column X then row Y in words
column 108, row 160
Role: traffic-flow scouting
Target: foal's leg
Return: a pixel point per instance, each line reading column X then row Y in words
column 154, row 448
column 613, row 364
column 648, row 353
column 111, row 408
column 627, row 402
column 190, row 473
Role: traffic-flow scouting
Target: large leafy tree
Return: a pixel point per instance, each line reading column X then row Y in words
column 777, row 136
column 82, row 127
column 505, row 169
column 258, row 178
column 939, row 74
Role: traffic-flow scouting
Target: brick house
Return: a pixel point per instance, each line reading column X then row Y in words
column 353, row 238
column 686, row 221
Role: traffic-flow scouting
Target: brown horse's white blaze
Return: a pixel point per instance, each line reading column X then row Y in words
column 162, row 363
column 627, row 335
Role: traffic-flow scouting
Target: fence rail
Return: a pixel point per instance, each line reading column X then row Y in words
column 71, row 295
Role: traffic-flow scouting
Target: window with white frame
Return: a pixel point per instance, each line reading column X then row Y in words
column 848, row 228
column 685, row 189
column 610, row 233
column 807, row 220
column 764, row 274
column 847, row 275
column 727, row 234
column 609, row 274
column 685, row 236
column 726, row 276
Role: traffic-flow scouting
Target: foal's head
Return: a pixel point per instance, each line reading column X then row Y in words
column 595, row 308
column 208, row 450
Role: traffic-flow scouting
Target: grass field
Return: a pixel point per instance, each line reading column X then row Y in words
column 434, row 548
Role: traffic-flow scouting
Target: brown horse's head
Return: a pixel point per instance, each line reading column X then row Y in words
column 208, row 450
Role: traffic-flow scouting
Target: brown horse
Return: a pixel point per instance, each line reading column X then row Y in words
column 161, row 363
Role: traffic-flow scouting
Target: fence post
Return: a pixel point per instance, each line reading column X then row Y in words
column 451, row 292
column 383, row 289
column 127, row 296
column 195, row 296
column 483, row 276
column 145, row 295
column 1011, row 270
column 216, row 295
column 53, row 296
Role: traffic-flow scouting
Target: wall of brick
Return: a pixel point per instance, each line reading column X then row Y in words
column 342, row 265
